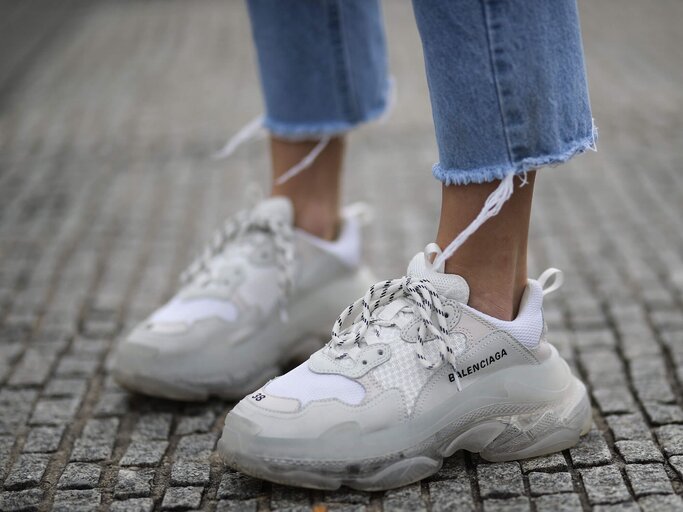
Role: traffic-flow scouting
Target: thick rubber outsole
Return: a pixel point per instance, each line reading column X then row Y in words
column 501, row 438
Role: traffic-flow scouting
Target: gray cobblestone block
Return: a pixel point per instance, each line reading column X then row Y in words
column 79, row 476
column 190, row 473
column 196, row 446
column 15, row 409
column 519, row 504
column 133, row 505
column 33, row 368
column 112, row 404
column 558, row 503
column 346, row 495
column 639, row 451
column 76, row 500
column 77, row 366
column 96, row 348
column 552, row 462
column 654, row 390
column 182, row 498
column 408, row 498
column 346, row 507
column 500, row 480
column 90, row 450
column 550, row 483
column 677, row 463
column 665, row 503
column 43, row 439
column 615, row 400
column 59, row 387
column 448, row 495
column 588, row 340
column 627, row 506
column 628, row 427
column 27, row 471
column 239, row 486
column 96, row 441
column 237, row 506
column 647, row 368
column 54, row 411
column 6, row 444
column 667, row 319
column 198, row 424
column 603, row 368
column 134, row 483
column 604, row 485
column 648, row 479
column 283, row 497
column 662, row 414
column 28, row 499
column 153, row 426
column 673, row 341
column 143, row 452
column 453, row 467
column 591, row 450
column 10, row 352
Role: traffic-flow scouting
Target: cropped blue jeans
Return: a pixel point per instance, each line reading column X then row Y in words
column 506, row 78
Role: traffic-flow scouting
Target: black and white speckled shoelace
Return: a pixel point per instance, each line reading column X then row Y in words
column 236, row 227
column 422, row 298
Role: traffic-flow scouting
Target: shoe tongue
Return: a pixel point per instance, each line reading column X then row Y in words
column 451, row 286
column 275, row 207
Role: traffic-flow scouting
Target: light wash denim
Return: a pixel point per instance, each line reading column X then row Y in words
column 506, row 78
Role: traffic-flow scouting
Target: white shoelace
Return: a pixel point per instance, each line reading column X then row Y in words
column 236, row 227
column 423, row 300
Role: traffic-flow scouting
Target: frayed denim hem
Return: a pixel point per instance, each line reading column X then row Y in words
column 499, row 172
column 314, row 131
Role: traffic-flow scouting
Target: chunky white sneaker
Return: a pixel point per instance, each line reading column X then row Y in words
column 261, row 288
column 417, row 376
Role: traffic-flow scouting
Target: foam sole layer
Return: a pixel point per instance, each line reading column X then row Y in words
column 548, row 429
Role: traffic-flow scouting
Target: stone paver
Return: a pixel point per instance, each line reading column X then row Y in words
column 109, row 113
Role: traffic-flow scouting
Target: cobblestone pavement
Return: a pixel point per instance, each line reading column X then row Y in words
column 108, row 113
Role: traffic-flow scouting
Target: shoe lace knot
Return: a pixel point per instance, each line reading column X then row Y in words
column 235, row 228
column 421, row 298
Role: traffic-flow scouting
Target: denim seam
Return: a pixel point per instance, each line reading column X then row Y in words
column 489, row 44
column 341, row 61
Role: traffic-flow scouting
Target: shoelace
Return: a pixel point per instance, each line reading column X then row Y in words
column 423, row 299
column 236, row 227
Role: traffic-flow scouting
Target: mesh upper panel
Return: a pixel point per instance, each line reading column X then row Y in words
column 306, row 386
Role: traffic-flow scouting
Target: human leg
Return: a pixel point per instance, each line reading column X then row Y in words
column 415, row 370
column 323, row 71
column 507, row 99
column 271, row 276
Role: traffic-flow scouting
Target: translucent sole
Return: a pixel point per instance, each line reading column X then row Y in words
column 495, row 437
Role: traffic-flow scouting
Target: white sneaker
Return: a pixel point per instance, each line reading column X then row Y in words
column 260, row 289
column 417, row 376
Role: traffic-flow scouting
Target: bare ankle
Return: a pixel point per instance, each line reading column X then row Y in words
column 321, row 220
column 315, row 192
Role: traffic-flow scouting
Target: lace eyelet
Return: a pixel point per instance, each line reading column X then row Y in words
column 365, row 362
column 380, row 352
column 447, row 315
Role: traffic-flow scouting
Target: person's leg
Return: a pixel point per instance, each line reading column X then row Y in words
column 315, row 193
column 323, row 71
column 493, row 259
column 508, row 93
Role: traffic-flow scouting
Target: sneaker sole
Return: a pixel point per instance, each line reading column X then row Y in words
column 495, row 438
